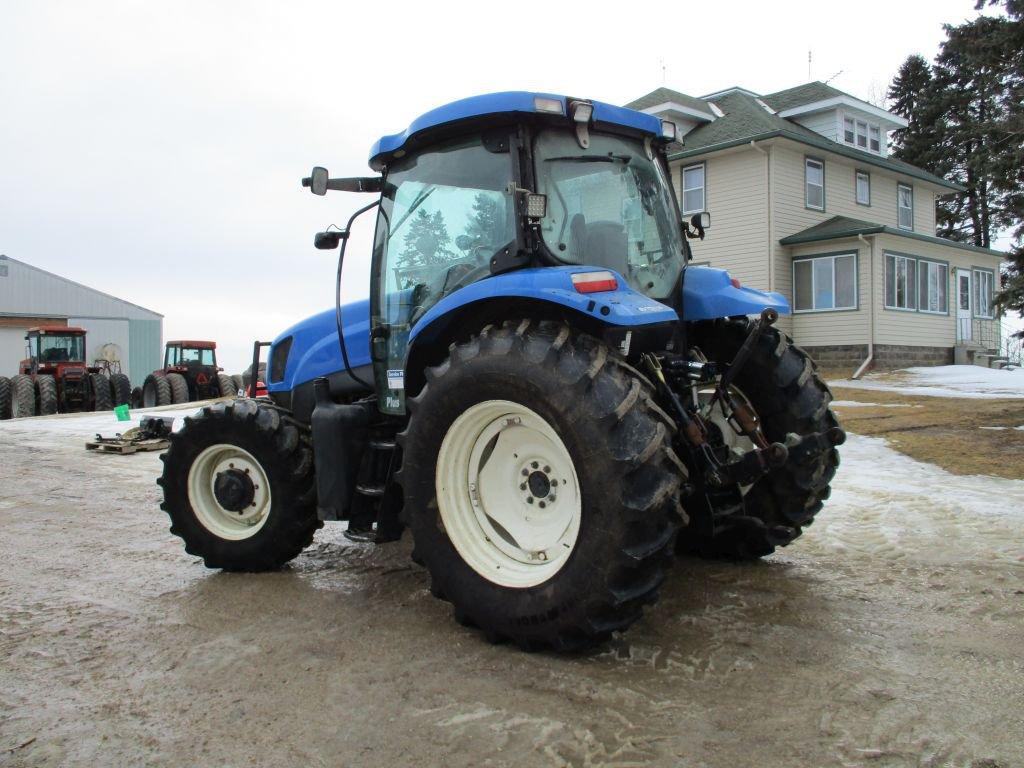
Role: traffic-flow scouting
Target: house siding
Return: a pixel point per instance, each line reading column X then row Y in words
column 736, row 196
column 825, row 123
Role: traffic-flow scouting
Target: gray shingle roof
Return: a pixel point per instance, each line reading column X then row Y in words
column 662, row 95
column 745, row 120
column 808, row 93
column 843, row 226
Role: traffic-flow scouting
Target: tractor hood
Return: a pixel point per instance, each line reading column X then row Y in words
column 492, row 107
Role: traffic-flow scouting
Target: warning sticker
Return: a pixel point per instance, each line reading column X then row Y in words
column 396, row 379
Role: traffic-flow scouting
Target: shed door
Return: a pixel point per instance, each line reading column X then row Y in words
column 963, row 305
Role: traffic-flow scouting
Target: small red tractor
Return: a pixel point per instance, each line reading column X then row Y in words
column 55, row 378
column 190, row 373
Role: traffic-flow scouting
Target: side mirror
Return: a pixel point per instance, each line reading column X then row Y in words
column 328, row 241
column 701, row 221
column 317, row 181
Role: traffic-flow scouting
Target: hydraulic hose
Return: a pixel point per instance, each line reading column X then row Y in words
column 337, row 294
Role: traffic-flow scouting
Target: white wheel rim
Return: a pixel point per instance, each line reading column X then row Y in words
column 225, row 523
column 497, row 525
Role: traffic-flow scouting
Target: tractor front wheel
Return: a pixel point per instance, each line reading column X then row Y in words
column 23, row 396
column 239, row 487
column 46, row 391
column 540, row 486
column 5, row 398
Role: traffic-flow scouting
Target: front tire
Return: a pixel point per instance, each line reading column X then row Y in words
column 5, row 398
column 593, row 424
column 23, row 396
column 780, row 381
column 46, row 391
column 120, row 389
column 179, row 388
column 100, row 392
column 239, row 488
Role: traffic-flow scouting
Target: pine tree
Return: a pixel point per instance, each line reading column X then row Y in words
column 486, row 221
column 426, row 242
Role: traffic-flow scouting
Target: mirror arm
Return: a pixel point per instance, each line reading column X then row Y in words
column 353, row 184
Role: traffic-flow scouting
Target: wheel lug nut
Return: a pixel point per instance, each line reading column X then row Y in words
column 551, row 497
column 526, row 472
column 547, row 469
column 554, row 483
column 534, row 464
column 542, row 505
column 529, row 499
column 522, row 486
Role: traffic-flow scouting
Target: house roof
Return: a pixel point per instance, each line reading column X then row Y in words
column 843, row 226
column 667, row 95
column 801, row 94
column 746, row 120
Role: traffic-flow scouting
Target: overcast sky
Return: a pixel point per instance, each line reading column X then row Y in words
column 154, row 150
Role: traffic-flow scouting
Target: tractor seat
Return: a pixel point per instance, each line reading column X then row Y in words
column 605, row 245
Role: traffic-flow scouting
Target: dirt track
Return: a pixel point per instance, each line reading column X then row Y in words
column 891, row 634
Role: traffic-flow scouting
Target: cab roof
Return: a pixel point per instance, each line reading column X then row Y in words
column 57, row 330
column 503, row 104
column 193, row 344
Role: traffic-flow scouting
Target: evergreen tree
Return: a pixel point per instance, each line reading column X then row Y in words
column 486, row 221
column 426, row 242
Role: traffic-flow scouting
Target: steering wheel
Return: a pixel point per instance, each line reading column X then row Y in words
column 471, row 276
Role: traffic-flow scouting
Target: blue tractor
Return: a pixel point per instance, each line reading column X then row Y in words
column 537, row 386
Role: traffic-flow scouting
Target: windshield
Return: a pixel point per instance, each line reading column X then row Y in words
column 610, row 206
column 61, row 349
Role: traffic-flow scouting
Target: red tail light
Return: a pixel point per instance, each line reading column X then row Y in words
column 592, row 282
column 735, row 282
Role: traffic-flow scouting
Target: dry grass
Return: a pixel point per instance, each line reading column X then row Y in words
column 942, row 430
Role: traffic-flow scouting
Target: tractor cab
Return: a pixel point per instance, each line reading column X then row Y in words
column 196, row 361
column 53, row 347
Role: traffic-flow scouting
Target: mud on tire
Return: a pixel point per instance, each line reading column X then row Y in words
column 284, row 451
column 780, row 381
column 629, row 480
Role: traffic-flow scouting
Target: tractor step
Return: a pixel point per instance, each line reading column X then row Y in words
column 382, row 445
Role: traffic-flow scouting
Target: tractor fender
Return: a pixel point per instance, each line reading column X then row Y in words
column 710, row 293
column 621, row 306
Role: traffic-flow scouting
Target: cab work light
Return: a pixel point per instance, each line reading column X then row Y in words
column 593, row 282
column 536, row 205
column 544, row 104
column 668, row 130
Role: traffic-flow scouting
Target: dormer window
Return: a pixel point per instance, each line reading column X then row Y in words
column 862, row 134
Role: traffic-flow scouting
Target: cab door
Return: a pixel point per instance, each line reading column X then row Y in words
column 444, row 213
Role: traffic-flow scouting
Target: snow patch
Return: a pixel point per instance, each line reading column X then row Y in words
column 858, row 404
column 966, row 381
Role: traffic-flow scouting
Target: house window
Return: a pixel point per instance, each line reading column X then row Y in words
column 693, row 189
column 822, row 283
column 814, row 182
column 905, row 206
column 900, row 281
column 933, row 285
column 984, row 287
column 862, row 134
column 863, row 188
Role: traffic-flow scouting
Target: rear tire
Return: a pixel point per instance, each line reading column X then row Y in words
column 23, row 397
column 179, row 388
column 5, row 398
column 46, row 392
column 617, row 446
column 100, row 392
column 226, row 385
column 780, row 381
column 120, row 389
column 137, row 397
column 156, row 391
column 236, row 379
column 275, row 449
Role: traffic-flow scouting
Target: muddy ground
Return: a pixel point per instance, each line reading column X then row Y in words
column 891, row 634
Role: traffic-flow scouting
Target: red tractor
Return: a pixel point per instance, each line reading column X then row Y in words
column 55, row 377
column 190, row 373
